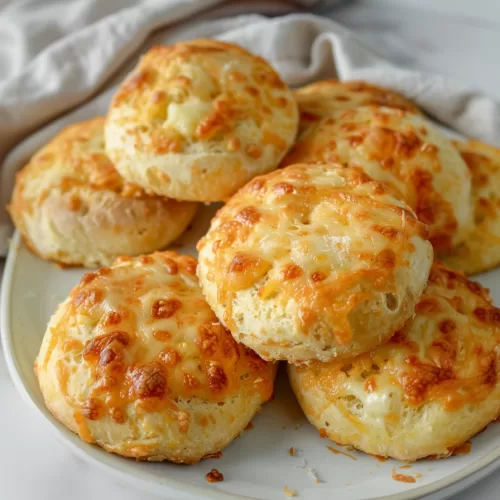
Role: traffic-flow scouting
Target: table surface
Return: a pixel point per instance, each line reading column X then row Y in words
column 459, row 38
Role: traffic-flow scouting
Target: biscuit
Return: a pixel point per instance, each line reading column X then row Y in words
column 325, row 98
column 428, row 390
column 314, row 262
column 198, row 119
column 404, row 150
column 72, row 207
column 480, row 251
column 135, row 361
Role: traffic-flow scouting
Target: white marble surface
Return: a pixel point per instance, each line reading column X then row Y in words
column 460, row 38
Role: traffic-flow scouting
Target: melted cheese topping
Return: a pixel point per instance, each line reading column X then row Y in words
column 72, row 206
column 201, row 97
column 185, row 117
column 446, row 354
column 481, row 249
column 403, row 150
column 75, row 158
column 316, row 242
column 327, row 97
column 141, row 335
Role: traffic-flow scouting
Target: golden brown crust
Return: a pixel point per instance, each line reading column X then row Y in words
column 198, row 119
column 480, row 251
column 137, row 343
column 399, row 148
column 442, row 366
column 81, row 146
column 72, row 207
column 313, row 244
column 324, row 98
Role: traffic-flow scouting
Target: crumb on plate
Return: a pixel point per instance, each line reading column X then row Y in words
column 403, row 478
column 312, row 474
column 214, row 476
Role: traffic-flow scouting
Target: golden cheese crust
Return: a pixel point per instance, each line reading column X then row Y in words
column 402, row 149
column 72, row 207
column 314, row 262
column 480, row 251
column 325, row 98
column 198, row 119
column 429, row 389
column 135, row 361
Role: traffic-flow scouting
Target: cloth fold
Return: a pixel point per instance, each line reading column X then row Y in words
column 302, row 47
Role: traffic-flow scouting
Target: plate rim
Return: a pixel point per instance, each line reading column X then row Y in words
column 94, row 454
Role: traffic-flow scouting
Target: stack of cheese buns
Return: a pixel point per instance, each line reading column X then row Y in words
column 339, row 199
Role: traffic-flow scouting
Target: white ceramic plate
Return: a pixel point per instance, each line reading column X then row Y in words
column 257, row 465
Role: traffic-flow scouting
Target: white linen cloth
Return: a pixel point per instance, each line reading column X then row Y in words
column 101, row 43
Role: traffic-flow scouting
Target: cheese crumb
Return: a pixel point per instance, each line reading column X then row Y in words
column 312, row 473
column 214, row 476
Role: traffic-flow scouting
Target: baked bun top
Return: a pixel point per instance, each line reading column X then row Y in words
column 196, row 120
column 322, row 99
column 75, row 158
column 480, row 251
column 138, row 341
column 72, row 206
column 294, row 261
column 428, row 389
column 404, row 150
